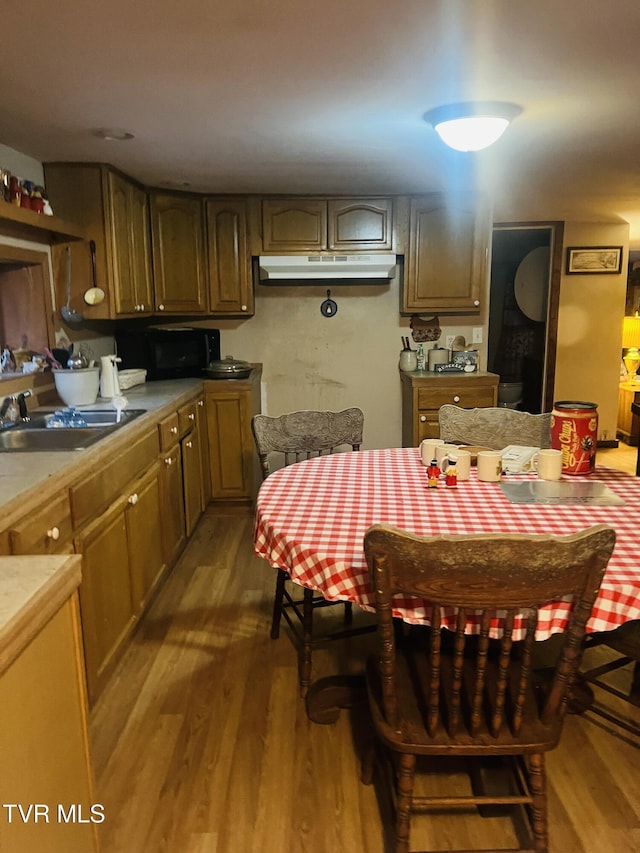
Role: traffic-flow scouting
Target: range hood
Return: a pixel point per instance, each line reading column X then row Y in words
column 321, row 267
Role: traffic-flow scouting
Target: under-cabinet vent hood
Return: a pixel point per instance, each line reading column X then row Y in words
column 319, row 267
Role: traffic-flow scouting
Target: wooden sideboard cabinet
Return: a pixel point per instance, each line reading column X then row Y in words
column 447, row 265
column 628, row 426
column 424, row 393
column 336, row 225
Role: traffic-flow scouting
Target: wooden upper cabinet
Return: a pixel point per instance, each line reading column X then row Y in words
column 130, row 246
column 294, row 224
column 179, row 261
column 356, row 224
column 448, row 255
column 230, row 280
column 113, row 210
column 305, row 225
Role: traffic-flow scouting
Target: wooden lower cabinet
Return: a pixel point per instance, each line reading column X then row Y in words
column 424, row 393
column 205, row 457
column 192, row 479
column 123, row 561
column 628, row 426
column 173, row 525
column 231, row 403
column 44, row 742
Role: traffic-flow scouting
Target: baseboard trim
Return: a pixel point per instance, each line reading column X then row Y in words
column 610, row 442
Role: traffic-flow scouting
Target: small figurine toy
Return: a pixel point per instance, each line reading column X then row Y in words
column 433, row 472
column 451, row 474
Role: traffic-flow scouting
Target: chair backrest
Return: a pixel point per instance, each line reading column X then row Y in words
column 483, row 688
column 494, row 427
column 301, row 435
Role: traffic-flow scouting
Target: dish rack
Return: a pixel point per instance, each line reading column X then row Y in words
column 129, row 378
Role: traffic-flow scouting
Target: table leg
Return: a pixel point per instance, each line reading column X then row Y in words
column 327, row 696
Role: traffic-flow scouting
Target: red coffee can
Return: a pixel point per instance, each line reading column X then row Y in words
column 574, row 431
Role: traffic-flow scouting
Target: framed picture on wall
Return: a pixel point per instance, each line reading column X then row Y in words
column 586, row 260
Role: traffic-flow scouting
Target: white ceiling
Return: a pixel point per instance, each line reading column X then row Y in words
column 328, row 96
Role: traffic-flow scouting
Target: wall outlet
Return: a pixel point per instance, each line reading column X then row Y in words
column 448, row 341
column 476, row 335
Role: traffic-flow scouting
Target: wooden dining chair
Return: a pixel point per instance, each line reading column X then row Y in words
column 624, row 640
column 294, row 437
column 467, row 695
column 494, row 427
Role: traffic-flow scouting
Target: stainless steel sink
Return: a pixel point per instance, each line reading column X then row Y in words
column 34, row 435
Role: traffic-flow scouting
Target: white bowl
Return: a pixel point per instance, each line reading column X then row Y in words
column 77, row 387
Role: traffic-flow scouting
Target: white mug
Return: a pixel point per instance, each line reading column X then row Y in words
column 428, row 449
column 548, row 464
column 462, row 461
column 443, row 450
column 489, row 465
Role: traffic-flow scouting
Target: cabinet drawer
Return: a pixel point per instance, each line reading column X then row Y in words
column 169, row 431
column 46, row 531
column 466, row 398
column 95, row 493
column 187, row 417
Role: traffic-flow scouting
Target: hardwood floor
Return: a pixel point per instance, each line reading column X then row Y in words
column 201, row 743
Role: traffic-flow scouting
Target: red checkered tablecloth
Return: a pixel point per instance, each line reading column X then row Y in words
column 311, row 518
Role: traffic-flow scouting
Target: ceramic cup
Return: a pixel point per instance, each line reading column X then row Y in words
column 489, row 465
column 548, row 464
column 462, row 460
column 428, row 449
column 443, row 450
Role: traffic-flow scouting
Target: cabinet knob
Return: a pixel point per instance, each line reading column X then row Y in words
column 456, row 399
column 160, row 307
column 189, row 444
column 133, row 499
column 54, row 534
column 168, row 461
column 201, row 403
column 243, row 307
column 142, row 307
column 192, row 416
column 476, row 302
column 174, row 430
column 423, row 418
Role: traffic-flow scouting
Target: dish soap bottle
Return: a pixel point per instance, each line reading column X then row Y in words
column 421, row 362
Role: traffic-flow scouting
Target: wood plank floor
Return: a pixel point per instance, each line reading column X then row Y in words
column 201, row 743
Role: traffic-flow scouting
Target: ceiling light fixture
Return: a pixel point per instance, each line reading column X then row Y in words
column 113, row 134
column 473, row 125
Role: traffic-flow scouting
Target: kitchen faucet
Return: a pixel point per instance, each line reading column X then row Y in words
column 14, row 409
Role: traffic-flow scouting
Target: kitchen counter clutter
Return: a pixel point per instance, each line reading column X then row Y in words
column 129, row 502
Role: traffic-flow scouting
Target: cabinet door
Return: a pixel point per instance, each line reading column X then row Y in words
column 230, row 444
column 143, row 521
column 356, row 224
column 230, row 281
column 448, row 255
column 205, row 464
column 178, row 254
column 105, row 593
column 291, row 225
column 123, row 274
column 192, row 480
column 140, row 250
column 172, row 504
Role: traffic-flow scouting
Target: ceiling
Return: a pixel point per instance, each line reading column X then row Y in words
column 292, row 96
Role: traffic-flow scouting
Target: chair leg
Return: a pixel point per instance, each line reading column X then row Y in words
column 348, row 613
column 404, row 798
column 539, row 820
column 307, row 635
column 277, row 604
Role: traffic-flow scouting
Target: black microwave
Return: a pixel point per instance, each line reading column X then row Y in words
column 166, row 352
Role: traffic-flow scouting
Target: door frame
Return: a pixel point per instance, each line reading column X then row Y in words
column 556, row 229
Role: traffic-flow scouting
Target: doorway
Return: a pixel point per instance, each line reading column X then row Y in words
column 523, row 312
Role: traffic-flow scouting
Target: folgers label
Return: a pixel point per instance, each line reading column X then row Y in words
column 574, row 431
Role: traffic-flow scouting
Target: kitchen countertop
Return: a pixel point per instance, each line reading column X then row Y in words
column 32, row 590
column 27, row 479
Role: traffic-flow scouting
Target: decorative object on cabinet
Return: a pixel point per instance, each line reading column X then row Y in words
column 423, row 394
column 590, row 260
column 423, row 329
